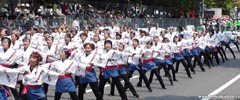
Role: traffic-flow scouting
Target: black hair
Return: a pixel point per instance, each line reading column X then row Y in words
column 46, row 32
column 73, row 30
column 150, row 42
column 76, row 17
column 108, row 42
column 8, row 40
column 35, row 29
column 67, row 52
column 142, row 31
column 165, row 39
column 155, row 37
column 83, row 34
column 68, row 36
column 121, row 44
column 50, row 37
column 136, row 40
column 133, row 33
column 1, row 29
column 174, row 38
column 36, row 55
column 26, row 38
column 42, row 28
column 181, row 35
column 118, row 34
column 90, row 44
column 180, row 28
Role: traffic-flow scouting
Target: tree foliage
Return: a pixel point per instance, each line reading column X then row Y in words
column 177, row 4
column 224, row 4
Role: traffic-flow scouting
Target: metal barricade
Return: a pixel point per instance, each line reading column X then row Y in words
column 92, row 22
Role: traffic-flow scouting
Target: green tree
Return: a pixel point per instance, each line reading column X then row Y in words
column 224, row 4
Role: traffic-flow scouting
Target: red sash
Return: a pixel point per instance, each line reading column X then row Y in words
column 179, row 52
column 167, row 57
column 64, row 76
column 89, row 69
column 6, row 65
column 120, row 65
column 148, row 60
column 108, row 67
column 194, row 48
column 25, row 87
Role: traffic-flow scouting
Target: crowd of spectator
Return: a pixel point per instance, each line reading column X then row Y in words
column 26, row 15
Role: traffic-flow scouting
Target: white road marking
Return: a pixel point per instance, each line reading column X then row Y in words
column 222, row 87
column 107, row 85
column 233, row 46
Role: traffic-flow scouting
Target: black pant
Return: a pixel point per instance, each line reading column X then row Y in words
column 235, row 43
column 116, row 80
column 170, row 67
column 127, row 84
column 160, row 66
column 142, row 74
column 94, row 87
column 154, row 71
column 228, row 47
column 77, row 80
column 184, row 65
column 58, row 95
column 189, row 63
column 215, row 55
column 166, row 70
column 197, row 59
column 207, row 58
column 45, row 87
column 238, row 27
column 16, row 94
column 24, row 96
column 221, row 53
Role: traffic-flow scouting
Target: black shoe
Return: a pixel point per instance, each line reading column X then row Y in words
column 226, row 59
column 175, row 79
column 203, row 70
column 111, row 94
column 176, row 71
column 139, row 85
column 109, row 81
column 209, row 67
column 166, row 75
column 164, row 88
column 172, row 83
column 150, row 81
column 137, row 96
column 193, row 72
column 212, row 65
column 125, row 88
column 150, row 89
column 190, row 77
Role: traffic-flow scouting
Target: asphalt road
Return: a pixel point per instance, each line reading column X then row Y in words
column 202, row 84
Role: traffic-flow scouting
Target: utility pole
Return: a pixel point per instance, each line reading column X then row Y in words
column 203, row 8
column 235, row 9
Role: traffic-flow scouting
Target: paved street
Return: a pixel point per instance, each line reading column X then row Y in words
column 202, row 84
